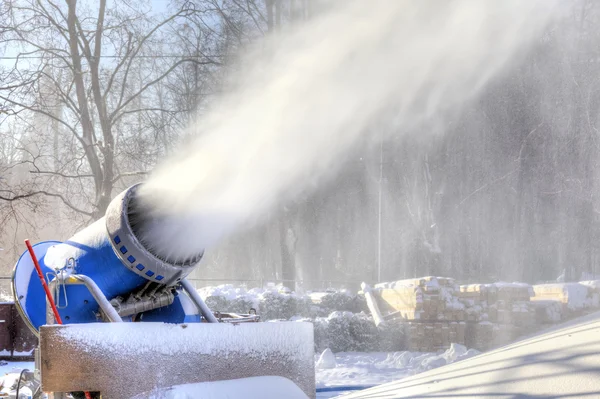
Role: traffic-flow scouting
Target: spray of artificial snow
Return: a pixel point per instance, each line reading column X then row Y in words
column 307, row 98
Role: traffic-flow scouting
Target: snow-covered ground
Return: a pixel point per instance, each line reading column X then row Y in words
column 346, row 369
column 360, row 369
column 9, row 373
column 561, row 362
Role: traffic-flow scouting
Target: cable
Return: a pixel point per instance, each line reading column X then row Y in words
column 19, row 382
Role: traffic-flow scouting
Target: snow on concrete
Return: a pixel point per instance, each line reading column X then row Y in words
column 564, row 362
column 267, row 387
column 351, row 369
column 288, row 339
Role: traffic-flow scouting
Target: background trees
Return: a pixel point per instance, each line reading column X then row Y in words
column 92, row 94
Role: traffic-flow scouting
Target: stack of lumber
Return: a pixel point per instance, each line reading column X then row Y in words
column 504, row 303
column 439, row 312
column 517, row 313
column 573, row 298
column 474, row 298
column 496, row 313
column 431, row 307
column 547, row 311
column 422, row 299
column 486, row 335
column 432, row 337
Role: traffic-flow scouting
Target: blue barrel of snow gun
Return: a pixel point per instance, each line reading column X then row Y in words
column 145, row 285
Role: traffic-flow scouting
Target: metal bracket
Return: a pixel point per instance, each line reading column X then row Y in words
column 198, row 301
column 80, row 279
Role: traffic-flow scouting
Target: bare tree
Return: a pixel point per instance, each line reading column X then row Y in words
column 103, row 67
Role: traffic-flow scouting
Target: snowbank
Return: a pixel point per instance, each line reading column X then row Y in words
column 277, row 302
column 267, row 387
column 374, row 368
column 326, row 360
column 272, row 303
column 561, row 363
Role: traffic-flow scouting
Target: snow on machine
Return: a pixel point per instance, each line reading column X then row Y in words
column 116, row 319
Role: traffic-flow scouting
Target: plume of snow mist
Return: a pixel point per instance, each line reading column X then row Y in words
column 304, row 102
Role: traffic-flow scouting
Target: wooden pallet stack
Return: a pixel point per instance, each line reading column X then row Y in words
column 547, row 311
column 573, row 298
column 430, row 306
column 510, row 304
column 423, row 299
column 498, row 303
column 432, row 337
column 474, row 298
column 496, row 313
column 485, row 335
column 438, row 312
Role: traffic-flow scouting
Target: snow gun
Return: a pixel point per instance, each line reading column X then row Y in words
column 103, row 289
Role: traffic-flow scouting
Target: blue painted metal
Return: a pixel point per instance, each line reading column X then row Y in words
column 94, row 257
column 30, row 297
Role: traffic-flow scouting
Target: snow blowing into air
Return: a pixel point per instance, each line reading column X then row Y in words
column 299, row 199
column 305, row 99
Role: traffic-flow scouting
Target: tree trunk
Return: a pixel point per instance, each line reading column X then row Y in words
column 269, row 4
column 287, row 243
column 87, row 138
column 278, row 15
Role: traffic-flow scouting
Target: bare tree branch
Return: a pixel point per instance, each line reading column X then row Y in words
column 18, row 197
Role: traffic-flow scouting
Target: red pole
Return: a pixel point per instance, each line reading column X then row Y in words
column 48, row 294
column 43, row 280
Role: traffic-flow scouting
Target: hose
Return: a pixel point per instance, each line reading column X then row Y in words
column 19, row 382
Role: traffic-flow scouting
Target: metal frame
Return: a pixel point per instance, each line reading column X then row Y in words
column 200, row 304
column 105, row 305
column 80, row 279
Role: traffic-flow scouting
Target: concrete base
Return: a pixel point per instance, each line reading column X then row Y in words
column 121, row 360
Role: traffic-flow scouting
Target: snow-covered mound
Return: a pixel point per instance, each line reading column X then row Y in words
column 278, row 302
column 326, row 360
column 374, row 368
column 563, row 362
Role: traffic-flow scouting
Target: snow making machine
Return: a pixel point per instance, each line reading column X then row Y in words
column 115, row 319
